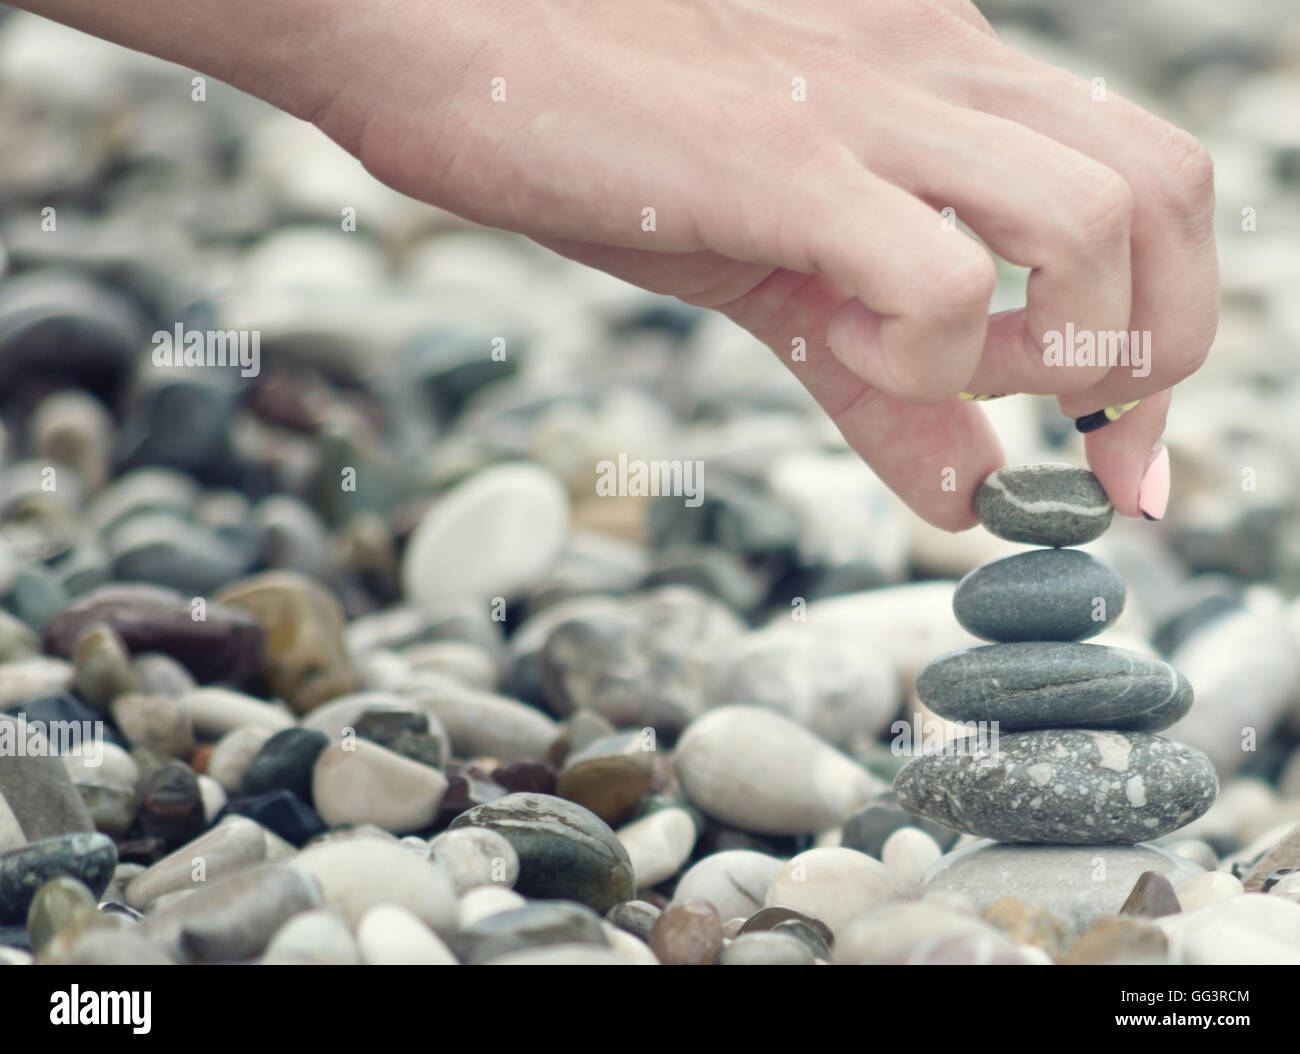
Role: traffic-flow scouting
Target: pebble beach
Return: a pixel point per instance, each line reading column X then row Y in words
column 376, row 588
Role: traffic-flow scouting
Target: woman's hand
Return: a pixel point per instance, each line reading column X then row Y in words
column 796, row 160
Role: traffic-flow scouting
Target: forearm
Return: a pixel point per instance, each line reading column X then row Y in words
column 280, row 50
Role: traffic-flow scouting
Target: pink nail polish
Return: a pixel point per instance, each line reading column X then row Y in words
column 1153, row 491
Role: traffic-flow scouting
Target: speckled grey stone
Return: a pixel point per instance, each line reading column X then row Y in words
column 1048, row 504
column 90, row 858
column 1051, row 684
column 1062, row 786
column 1046, row 594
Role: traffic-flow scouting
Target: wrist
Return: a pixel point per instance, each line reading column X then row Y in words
column 283, row 51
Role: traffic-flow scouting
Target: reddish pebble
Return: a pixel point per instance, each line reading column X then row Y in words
column 688, row 933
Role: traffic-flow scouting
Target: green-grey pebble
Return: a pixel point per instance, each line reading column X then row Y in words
column 1046, row 594
column 1050, row 684
column 565, row 851
column 90, row 858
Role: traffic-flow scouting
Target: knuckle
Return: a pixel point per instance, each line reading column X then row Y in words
column 960, row 283
column 1103, row 207
column 1185, row 171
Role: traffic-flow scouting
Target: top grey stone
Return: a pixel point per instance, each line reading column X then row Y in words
column 1047, row 504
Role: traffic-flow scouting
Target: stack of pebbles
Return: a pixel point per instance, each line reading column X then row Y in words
column 1072, row 758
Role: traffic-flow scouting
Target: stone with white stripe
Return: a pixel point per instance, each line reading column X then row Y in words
column 1046, row 504
column 1055, row 684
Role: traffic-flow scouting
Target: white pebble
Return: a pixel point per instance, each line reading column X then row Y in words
column 216, row 711
column 1209, row 888
column 658, row 845
column 483, row 901
column 360, row 873
column 909, row 853
column 213, row 795
column 313, row 937
column 389, row 935
column 833, row 885
column 496, row 534
column 106, row 763
column 476, row 856
column 357, row 781
column 628, row 947
column 756, row 770
column 233, row 754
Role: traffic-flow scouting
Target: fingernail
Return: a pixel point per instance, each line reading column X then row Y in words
column 1153, row 491
column 980, row 398
column 1091, row 422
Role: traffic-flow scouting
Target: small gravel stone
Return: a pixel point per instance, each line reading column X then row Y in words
column 894, row 931
column 909, row 853
column 234, row 918
column 636, row 917
column 285, row 763
column 1247, row 930
column 766, row 949
column 483, row 901
column 226, row 643
column 227, row 848
column 61, row 903
column 476, row 856
column 103, row 669
column 283, row 816
column 495, row 535
column 658, row 844
column 89, row 858
column 609, row 776
column 314, row 937
column 112, row 806
column 1027, row 923
column 234, row 753
column 388, row 935
column 1285, row 853
column 534, row 925
column 753, row 769
column 357, row 874
column 565, row 851
column 11, row 834
column 108, row 763
column 306, row 661
column 482, row 724
column 36, row 786
column 156, row 722
column 734, row 881
column 834, row 885
column 362, row 782
column 1209, row 888
column 217, row 711
column 1119, row 941
column 868, row 831
column 171, row 805
column 1153, row 896
column 687, row 933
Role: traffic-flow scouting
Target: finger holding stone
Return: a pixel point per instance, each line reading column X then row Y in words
column 1119, row 452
